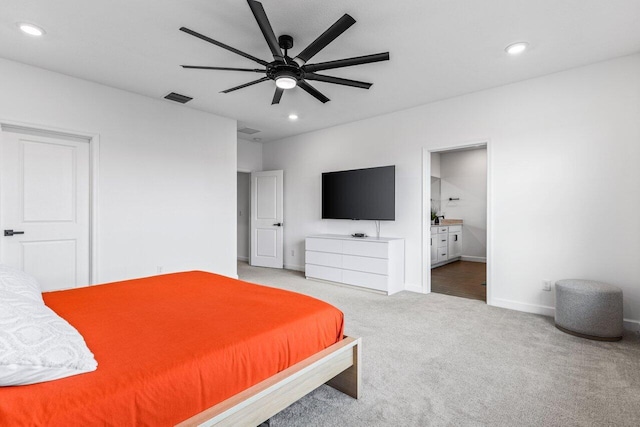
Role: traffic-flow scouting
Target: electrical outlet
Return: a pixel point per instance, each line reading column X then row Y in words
column 239, row 213
column 159, row 269
column 293, row 252
column 546, row 285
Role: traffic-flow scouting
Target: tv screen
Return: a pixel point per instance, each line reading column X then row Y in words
column 360, row 194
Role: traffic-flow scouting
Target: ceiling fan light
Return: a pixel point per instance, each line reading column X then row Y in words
column 286, row 82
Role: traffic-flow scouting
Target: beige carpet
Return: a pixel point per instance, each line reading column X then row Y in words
column 438, row 360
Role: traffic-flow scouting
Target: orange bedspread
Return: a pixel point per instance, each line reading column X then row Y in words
column 171, row 346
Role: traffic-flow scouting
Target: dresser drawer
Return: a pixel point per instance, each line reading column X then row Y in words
column 370, row 249
column 442, row 254
column 443, row 230
column 323, row 245
column 323, row 258
column 455, row 228
column 368, row 264
column 367, row 280
column 322, row 272
column 441, row 240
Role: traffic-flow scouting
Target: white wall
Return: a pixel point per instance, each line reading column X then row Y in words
column 564, row 152
column 244, row 209
column 166, row 191
column 249, row 156
column 249, row 160
column 464, row 177
column 435, row 165
column 435, row 195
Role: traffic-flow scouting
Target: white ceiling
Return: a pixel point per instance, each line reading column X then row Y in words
column 439, row 49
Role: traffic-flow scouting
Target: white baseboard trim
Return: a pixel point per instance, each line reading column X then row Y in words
column 631, row 325
column 294, row 267
column 413, row 288
column 628, row 324
column 520, row 306
column 474, row 258
column 286, row 266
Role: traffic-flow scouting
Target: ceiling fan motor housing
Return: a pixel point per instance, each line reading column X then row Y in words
column 276, row 70
column 285, row 41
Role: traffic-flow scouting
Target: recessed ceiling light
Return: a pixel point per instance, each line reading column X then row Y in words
column 516, row 48
column 293, row 117
column 257, row 139
column 32, row 30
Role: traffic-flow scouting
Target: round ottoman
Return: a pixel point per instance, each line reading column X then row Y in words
column 589, row 309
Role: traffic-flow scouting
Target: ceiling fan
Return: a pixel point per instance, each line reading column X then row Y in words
column 290, row 72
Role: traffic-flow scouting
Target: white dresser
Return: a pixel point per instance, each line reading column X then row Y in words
column 373, row 263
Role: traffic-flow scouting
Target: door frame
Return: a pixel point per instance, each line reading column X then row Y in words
column 94, row 157
column 426, row 211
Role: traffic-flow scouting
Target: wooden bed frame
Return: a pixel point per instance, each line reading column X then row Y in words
column 337, row 366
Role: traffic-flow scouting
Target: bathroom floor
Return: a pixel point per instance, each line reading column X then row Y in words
column 461, row 279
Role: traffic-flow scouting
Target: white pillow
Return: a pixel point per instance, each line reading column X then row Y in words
column 19, row 282
column 37, row 345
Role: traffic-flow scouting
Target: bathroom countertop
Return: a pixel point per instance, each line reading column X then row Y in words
column 449, row 222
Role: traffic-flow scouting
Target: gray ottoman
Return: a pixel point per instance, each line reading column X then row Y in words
column 589, row 309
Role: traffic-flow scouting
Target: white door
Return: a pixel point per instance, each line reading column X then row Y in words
column 44, row 208
column 267, row 219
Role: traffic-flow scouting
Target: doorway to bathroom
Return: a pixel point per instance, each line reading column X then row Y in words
column 458, row 222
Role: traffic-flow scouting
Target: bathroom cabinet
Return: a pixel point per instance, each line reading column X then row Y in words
column 446, row 244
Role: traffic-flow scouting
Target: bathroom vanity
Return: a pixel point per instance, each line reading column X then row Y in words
column 446, row 242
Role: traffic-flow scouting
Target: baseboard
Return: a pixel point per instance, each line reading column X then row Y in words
column 520, row 306
column 294, row 267
column 413, row 288
column 286, row 266
column 631, row 325
column 628, row 324
column 474, row 258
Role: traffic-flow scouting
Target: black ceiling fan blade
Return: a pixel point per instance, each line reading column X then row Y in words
column 264, row 79
column 277, row 96
column 265, row 27
column 222, row 45
column 348, row 62
column 202, row 67
column 312, row 91
column 337, row 80
column 339, row 27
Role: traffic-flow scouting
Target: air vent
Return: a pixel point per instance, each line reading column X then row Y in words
column 248, row 131
column 182, row 99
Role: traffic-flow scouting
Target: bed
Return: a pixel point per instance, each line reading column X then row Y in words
column 190, row 348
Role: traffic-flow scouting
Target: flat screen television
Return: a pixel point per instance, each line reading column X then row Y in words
column 360, row 194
